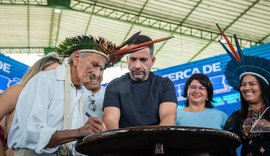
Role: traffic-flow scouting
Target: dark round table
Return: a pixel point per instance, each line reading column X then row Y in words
column 160, row 140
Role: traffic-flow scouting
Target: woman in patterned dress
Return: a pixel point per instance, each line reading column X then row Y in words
column 250, row 75
column 255, row 98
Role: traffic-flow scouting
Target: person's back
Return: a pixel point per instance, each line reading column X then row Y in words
column 140, row 97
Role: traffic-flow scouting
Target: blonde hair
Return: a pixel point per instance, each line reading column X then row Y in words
column 40, row 65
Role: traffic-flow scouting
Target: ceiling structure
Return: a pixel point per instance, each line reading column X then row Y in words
column 38, row 26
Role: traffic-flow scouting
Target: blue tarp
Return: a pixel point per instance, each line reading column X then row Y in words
column 11, row 71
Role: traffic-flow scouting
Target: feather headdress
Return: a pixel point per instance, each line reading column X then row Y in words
column 241, row 65
column 101, row 46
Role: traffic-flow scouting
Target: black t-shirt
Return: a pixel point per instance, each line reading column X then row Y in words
column 139, row 101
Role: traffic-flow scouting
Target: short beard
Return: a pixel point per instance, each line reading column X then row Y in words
column 139, row 78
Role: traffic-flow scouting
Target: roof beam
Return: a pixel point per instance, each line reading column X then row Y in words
column 90, row 17
column 240, row 40
column 133, row 23
column 156, row 23
column 28, row 27
column 265, row 37
column 24, row 50
column 55, row 25
column 26, row 2
column 181, row 22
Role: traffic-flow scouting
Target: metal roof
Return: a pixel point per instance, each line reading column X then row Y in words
column 38, row 26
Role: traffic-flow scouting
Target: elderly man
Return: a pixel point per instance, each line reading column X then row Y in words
column 49, row 111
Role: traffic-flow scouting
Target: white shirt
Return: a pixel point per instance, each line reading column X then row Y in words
column 40, row 111
column 99, row 98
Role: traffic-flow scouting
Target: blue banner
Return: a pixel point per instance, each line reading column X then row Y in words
column 226, row 98
column 11, row 72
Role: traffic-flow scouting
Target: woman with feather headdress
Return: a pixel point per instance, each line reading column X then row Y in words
column 250, row 75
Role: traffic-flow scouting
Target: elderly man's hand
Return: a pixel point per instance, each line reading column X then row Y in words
column 93, row 125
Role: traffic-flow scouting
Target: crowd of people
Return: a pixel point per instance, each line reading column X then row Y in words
column 61, row 99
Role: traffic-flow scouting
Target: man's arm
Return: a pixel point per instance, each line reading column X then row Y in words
column 167, row 113
column 111, row 117
column 63, row 136
column 93, row 125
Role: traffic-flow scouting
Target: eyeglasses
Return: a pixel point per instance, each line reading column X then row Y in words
column 92, row 106
column 193, row 88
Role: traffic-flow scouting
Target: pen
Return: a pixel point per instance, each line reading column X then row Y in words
column 87, row 114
